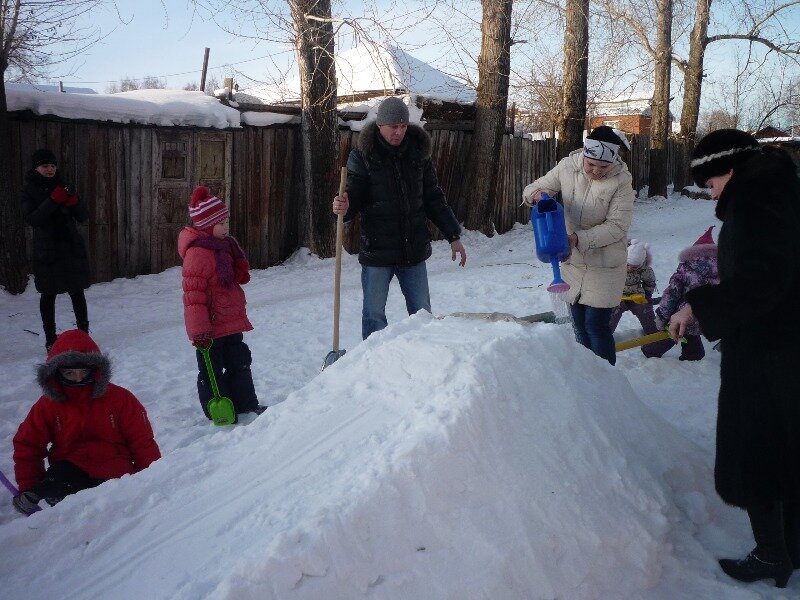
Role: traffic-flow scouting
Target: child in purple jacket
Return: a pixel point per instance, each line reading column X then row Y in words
column 697, row 266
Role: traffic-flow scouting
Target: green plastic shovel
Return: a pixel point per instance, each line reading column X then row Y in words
column 219, row 407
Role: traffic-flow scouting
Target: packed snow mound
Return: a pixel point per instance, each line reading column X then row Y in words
column 482, row 455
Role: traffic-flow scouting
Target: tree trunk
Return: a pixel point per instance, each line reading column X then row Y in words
column 693, row 82
column 576, row 71
column 483, row 162
column 659, row 126
column 314, row 45
column 13, row 262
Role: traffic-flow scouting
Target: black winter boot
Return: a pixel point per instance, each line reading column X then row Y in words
column 791, row 531
column 752, row 568
column 769, row 559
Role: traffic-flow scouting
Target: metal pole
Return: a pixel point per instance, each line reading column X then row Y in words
column 203, row 74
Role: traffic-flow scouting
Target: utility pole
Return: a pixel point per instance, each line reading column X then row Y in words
column 205, row 70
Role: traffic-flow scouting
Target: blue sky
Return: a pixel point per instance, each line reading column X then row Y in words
column 163, row 39
column 165, row 43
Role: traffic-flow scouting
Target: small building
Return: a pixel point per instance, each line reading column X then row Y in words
column 770, row 132
column 365, row 75
column 632, row 116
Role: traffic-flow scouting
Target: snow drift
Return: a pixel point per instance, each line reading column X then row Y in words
column 492, row 457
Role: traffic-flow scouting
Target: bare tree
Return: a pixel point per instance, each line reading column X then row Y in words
column 126, row 84
column 576, row 73
column 759, row 26
column 29, row 31
column 659, row 125
column 483, row 161
column 716, row 119
column 319, row 126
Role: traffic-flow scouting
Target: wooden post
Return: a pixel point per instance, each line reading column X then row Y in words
column 61, row 86
column 203, row 74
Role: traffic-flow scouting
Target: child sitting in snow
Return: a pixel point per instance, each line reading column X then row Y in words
column 697, row 266
column 640, row 282
column 87, row 428
column 214, row 270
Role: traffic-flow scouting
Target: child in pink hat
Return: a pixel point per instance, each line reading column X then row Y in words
column 697, row 266
column 214, row 270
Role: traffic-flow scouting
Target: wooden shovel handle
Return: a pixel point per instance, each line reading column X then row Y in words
column 337, row 280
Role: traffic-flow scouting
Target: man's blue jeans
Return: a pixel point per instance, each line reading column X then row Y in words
column 375, row 283
column 592, row 330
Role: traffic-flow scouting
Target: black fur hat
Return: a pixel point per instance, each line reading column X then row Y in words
column 719, row 152
column 43, row 156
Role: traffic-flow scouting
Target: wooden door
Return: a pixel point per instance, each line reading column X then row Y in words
column 173, row 159
column 213, row 162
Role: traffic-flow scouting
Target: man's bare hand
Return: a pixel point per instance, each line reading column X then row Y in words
column 341, row 204
column 458, row 248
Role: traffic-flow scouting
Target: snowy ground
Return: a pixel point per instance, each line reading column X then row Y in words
column 444, row 458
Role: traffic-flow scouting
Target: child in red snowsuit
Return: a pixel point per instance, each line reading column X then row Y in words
column 87, row 428
column 214, row 270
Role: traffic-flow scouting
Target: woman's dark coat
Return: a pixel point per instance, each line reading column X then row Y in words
column 753, row 311
column 60, row 262
column 395, row 189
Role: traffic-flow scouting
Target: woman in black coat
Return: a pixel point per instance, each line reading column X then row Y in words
column 753, row 311
column 60, row 262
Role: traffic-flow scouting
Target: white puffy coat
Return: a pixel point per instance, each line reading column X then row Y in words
column 599, row 212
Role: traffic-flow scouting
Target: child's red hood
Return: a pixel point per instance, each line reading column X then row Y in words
column 186, row 237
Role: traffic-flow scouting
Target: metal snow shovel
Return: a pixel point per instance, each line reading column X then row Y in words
column 219, row 407
column 336, row 354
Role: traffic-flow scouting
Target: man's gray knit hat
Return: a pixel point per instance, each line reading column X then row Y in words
column 392, row 111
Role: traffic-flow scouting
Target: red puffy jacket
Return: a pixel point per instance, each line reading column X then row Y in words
column 101, row 428
column 208, row 306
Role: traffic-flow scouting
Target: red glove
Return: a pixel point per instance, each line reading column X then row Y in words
column 59, row 195
column 72, row 200
column 202, row 341
column 242, row 268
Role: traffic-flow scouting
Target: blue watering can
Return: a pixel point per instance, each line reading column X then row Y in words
column 550, row 233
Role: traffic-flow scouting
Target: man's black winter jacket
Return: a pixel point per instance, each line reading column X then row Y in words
column 395, row 189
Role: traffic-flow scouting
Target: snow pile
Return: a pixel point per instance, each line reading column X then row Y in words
column 451, row 447
column 442, row 458
column 147, row 107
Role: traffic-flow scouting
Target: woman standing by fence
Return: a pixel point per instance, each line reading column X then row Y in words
column 60, row 263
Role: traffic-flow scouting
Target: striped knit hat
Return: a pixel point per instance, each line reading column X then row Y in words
column 206, row 210
column 719, row 152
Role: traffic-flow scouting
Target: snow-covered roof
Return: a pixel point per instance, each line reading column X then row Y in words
column 371, row 68
column 624, row 106
column 150, row 107
column 40, row 87
column 784, row 139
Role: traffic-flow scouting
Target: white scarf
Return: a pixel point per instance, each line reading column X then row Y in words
column 602, row 151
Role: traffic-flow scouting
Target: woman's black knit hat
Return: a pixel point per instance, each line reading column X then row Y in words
column 43, row 156
column 719, row 152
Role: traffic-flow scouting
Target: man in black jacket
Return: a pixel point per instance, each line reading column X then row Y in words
column 392, row 184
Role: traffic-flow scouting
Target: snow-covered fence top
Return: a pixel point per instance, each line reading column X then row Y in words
column 146, row 107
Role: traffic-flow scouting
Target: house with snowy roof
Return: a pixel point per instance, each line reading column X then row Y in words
column 366, row 74
column 631, row 115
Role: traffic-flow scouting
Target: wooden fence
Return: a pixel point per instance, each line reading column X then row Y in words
column 137, row 180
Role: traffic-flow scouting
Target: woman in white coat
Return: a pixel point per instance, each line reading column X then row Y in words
column 597, row 195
